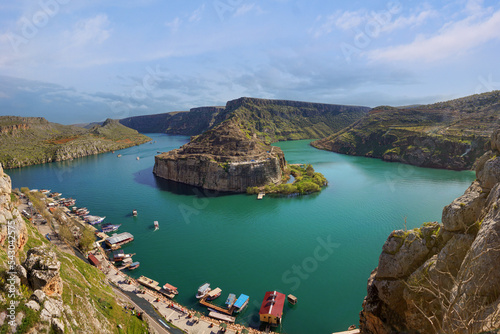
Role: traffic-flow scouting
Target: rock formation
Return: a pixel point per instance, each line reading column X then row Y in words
column 443, row 278
column 223, row 159
column 42, row 269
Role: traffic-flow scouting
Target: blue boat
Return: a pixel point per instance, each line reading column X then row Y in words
column 230, row 300
column 241, row 303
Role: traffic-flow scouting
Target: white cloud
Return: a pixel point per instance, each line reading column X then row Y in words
column 413, row 20
column 91, row 30
column 246, row 8
column 197, row 14
column 455, row 38
column 341, row 20
column 174, row 24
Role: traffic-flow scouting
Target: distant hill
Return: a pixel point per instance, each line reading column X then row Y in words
column 449, row 134
column 33, row 140
column 272, row 120
column 87, row 125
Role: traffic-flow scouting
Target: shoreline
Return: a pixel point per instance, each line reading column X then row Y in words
column 171, row 311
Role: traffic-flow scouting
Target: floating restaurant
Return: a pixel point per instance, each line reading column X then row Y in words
column 271, row 310
column 116, row 240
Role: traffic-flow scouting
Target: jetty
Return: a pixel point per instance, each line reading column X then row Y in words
column 220, row 316
column 149, row 283
column 217, row 308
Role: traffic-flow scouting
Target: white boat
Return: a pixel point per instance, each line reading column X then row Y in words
column 157, row 226
column 203, row 290
column 214, row 294
column 134, row 213
column 93, row 220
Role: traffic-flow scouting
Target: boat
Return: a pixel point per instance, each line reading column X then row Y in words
column 134, row 265
column 170, row 289
column 82, row 212
column 110, row 228
column 241, row 303
column 214, row 294
column 137, row 158
column 157, row 226
column 45, row 191
column 93, row 220
column 230, row 300
column 134, row 213
column 117, row 240
column 203, row 290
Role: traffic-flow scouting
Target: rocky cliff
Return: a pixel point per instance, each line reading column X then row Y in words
column 443, row 278
column 271, row 120
column 43, row 290
column 449, row 134
column 33, row 140
column 226, row 158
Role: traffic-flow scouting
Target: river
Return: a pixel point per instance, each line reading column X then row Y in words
column 321, row 248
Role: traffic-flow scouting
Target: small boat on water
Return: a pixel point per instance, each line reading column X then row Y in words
column 82, row 212
column 169, row 288
column 93, row 220
column 134, row 213
column 45, row 191
column 203, row 290
column 157, row 226
column 110, row 228
column 230, row 300
column 241, row 303
column 134, row 265
column 214, row 294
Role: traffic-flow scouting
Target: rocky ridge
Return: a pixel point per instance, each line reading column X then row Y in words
column 33, row 140
column 450, row 135
column 443, row 278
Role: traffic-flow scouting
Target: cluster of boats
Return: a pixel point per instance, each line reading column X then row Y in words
column 232, row 303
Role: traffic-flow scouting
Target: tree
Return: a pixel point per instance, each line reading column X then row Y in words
column 87, row 240
column 66, row 234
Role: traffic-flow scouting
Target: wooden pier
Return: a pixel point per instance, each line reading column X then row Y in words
column 204, row 302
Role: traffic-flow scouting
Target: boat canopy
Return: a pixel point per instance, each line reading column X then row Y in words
column 241, row 300
column 230, row 299
column 117, row 238
column 214, row 292
column 169, row 287
column 204, row 287
column 135, row 264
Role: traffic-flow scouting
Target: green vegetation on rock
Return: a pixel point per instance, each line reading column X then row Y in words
column 28, row 140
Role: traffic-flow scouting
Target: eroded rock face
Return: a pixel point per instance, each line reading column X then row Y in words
column 443, row 278
column 43, row 267
column 223, row 159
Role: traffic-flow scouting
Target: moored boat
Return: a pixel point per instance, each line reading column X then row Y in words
column 170, row 289
column 93, row 220
column 134, row 265
column 214, row 294
column 110, row 228
column 230, row 300
column 203, row 290
column 241, row 303
column 134, row 213
column 157, row 225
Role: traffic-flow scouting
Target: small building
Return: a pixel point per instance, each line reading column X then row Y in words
column 271, row 310
column 116, row 240
column 94, row 261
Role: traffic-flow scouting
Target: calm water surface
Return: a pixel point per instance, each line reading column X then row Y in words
column 321, row 248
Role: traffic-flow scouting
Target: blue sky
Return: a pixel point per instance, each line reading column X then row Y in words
column 81, row 61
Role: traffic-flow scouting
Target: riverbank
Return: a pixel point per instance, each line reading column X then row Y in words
column 176, row 319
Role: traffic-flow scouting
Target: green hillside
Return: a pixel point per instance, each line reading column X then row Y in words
column 33, row 140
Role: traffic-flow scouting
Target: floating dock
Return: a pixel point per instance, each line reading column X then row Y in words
column 204, row 302
column 220, row 316
column 261, row 195
column 149, row 283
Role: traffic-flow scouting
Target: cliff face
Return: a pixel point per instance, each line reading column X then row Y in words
column 30, row 140
column 443, row 278
column 447, row 135
column 271, row 120
column 223, row 159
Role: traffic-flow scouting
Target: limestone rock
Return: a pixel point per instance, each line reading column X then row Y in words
column 38, row 296
column 53, row 308
column 58, row 325
column 463, row 211
column 43, row 270
column 33, row 305
column 489, row 175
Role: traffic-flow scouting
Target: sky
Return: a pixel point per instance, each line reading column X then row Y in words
column 76, row 61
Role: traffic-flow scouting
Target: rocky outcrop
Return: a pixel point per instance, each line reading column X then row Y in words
column 443, row 278
column 223, row 159
column 42, row 269
column 9, row 215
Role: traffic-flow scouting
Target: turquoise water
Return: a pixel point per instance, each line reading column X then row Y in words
column 321, row 248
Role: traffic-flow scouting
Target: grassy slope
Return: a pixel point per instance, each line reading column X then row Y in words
column 39, row 141
column 443, row 131
column 83, row 286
